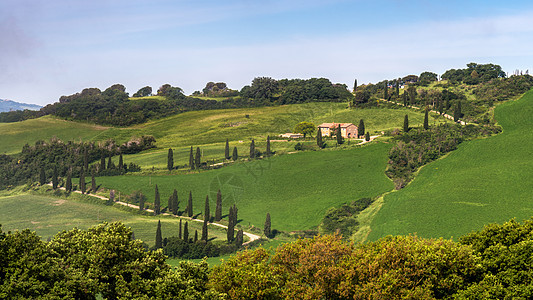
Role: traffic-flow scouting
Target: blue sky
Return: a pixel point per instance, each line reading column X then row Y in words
column 54, row 48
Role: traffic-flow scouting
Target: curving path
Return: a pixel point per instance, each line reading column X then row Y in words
column 251, row 236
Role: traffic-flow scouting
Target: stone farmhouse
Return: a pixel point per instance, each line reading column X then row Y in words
column 348, row 130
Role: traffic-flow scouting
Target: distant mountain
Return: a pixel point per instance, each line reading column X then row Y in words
column 8, row 105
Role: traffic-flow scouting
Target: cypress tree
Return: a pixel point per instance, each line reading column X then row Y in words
column 218, row 209
column 158, row 237
column 197, row 158
column 268, row 153
column 404, row 97
column 170, row 159
column 355, row 86
column 196, row 236
column 235, row 155
column 319, row 141
column 385, row 90
column 93, row 182
column 120, row 162
column 367, row 136
column 252, row 149
column 42, row 177
column 186, row 232
column 157, row 201
column 85, row 159
column 267, row 227
column 204, row 230
column 191, row 160
column 110, row 162
column 426, row 120
column 82, row 181
column 55, row 180
column 239, row 238
column 457, row 112
column 189, row 205
column 338, row 135
column 175, row 202
column 180, row 231
column 361, row 128
column 141, row 202
column 207, row 213
column 102, row 162
column 231, row 226
column 440, row 107
column 406, row 124
column 226, row 150
column 68, row 185
column 398, row 87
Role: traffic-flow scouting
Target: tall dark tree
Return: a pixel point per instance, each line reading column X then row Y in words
column 268, row 153
column 355, row 86
column 191, row 160
column 235, row 155
column 231, row 226
column 170, row 159
column 267, row 229
column 180, row 231
column 218, row 209
column 361, row 128
column 186, row 232
column 85, row 159
column 189, row 205
column 197, row 158
column 120, row 162
column 195, row 236
column 406, row 123
column 440, row 107
column 239, row 238
column 338, row 135
column 102, row 162
column 398, row 87
column 426, row 119
column 457, row 114
column 367, row 136
column 82, row 181
column 158, row 236
column 404, row 97
column 93, row 182
column 319, row 141
column 386, row 90
column 68, row 184
column 252, row 149
column 157, row 201
column 55, row 180
column 226, row 150
column 204, row 230
column 175, row 202
column 141, row 202
column 110, row 162
column 42, row 177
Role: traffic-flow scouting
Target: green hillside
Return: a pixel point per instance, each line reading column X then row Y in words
column 482, row 182
column 296, row 189
column 49, row 215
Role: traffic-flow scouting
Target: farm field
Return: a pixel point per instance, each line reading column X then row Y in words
column 14, row 135
column 48, row 215
column 210, row 127
column 484, row 181
column 296, row 189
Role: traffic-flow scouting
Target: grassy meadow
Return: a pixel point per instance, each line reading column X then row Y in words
column 48, row 215
column 484, row 181
column 296, row 189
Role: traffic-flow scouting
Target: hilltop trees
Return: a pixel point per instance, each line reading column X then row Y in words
column 143, row 92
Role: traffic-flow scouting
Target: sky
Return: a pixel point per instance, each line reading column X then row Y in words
column 54, row 48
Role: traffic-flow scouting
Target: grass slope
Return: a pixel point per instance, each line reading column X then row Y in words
column 14, row 135
column 49, row 215
column 482, row 182
column 296, row 189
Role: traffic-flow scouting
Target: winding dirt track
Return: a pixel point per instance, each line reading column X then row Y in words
column 251, row 236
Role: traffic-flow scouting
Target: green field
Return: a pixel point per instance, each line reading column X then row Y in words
column 14, row 135
column 484, row 181
column 210, row 127
column 48, row 215
column 296, row 189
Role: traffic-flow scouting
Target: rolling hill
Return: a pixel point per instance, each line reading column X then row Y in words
column 9, row 105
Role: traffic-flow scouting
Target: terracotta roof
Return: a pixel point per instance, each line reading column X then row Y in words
column 329, row 125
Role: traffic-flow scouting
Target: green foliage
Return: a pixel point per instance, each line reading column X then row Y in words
column 170, row 159
column 367, row 136
column 143, row 92
column 158, row 237
column 338, row 136
column 361, row 128
column 426, row 119
column 319, row 141
column 343, row 220
column 157, row 201
column 305, row 128
column 267, row 229
column 235, row 154
column 483, row 73
column 406, row 124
